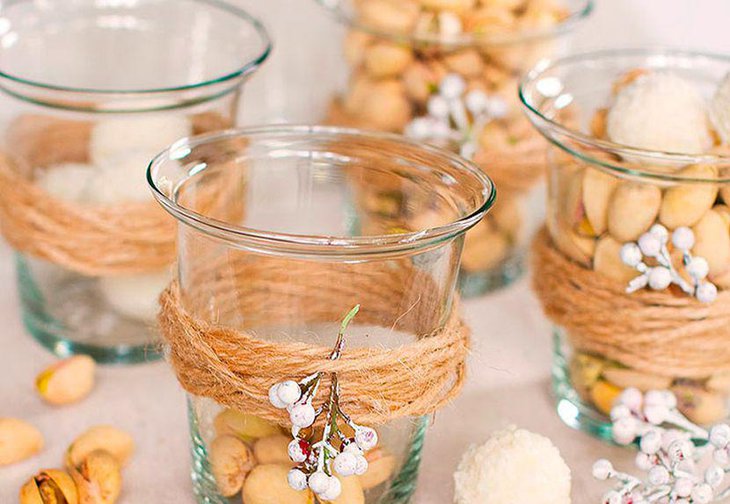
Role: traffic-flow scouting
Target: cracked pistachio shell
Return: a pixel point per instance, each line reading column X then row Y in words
column 466, row 62
column 50, row 486
column 272, row 449
column 246, row 427
column 19, row 440
column 632, row 210
column 625, row 378
column 566, row 215
column 597, row 190
column 712, row 242
column 607, row 261
column 101, row 437
column 585, row 370
column 381, row 466
column 386, row 106
column 685, row 204
column 719, row 382
column 67, row 381
column 98, row 478
column 484, row 250
column 389, row 16
column 230, row 462
column 268, row 484
column 420, row 79
column 387, row 59
column 699, row 405
column 352, row 491
column 356, row 42
column 574, row 246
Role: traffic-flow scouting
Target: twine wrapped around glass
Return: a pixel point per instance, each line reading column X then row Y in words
column 262, row 289
column 404, row 56
column 634, row 265
column 96, row 90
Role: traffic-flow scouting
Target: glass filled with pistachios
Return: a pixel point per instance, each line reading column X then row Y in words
column 446, row 72
column 92, row 91
column 634, row 265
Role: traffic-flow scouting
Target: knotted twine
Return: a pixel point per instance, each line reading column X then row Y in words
column 236, row 368
column 663, row 333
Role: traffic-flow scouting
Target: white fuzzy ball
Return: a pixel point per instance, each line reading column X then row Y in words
column 289, row 392
column 631, row 254
column 346, row 463
column 319, row 482
column 683, row 238
column 297, row 480
column 274, row 397
column 659, row 278
column 67, row 181
column 333, row 490
column 302, row 415
column 660, row 112
column 366, row 438
column 513, row 466
column 135, row 296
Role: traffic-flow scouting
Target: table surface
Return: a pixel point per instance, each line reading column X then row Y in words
column 508, row 384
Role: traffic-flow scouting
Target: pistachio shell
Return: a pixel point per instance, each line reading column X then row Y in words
column 451, row 5
column 700, row 406
column 724, row 212
column 390, row 16
column 632, row 210
column 607, row 261
column 598, row 123
column 352, row 491
column 419, row 81
column 567, row 215
column 356, row 42
column 626, row 378
column 725, row 193
column 719, row 382
column 49, row 486
column 386, row 106
column 712, row 242
column 386, row 59
column 597, row 189
column 246, row 427
column 98, row 478
column 19, row 440
column 483, row 251
column 272, row 450
column 230, row 461
column 466, row 62
column 67, row 381
column 381, row 466
column 268, row 484
column 584, row 371
column 101, row 437
column 685, row 204
column 357, row 94
column 578, row 248
column 603, row 395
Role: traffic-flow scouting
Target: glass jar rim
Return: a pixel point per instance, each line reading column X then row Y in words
column 550, row 127
column 245, row 69
column 464, row 40
column 321, row 244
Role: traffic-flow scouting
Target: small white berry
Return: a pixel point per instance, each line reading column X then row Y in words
column 650, row 245
column 441, row 130
column 632, row 398
column 644, row 461
column 274, row 397
column 602, row 469
column 721, row 457
column 624, row 430
column 297, row 480
column 346, row 463
column 669, row 436
column 497, row 108
column 680, row 450
column 660, row 232
column 664, row 398
column 352, row 448
column 362, row 465
column 319, row 482
column 656, row 415
column 620, row 411
column 631, row 254
column 438, row 107
column 289, row 392
column 651, row 442
column 333, row 491
column 659, row 278
column 683, row 238
column 366, row 438
column 714, row 476
column 720, row 435
column 683, row 487
column 698, row 268
column 702, row 494
column 296, row 454
column 302, row 415
column 706, row 292
column 452, row 86
column 476, row 101
column 658, row 475
column 421, row 128
column 612, row 497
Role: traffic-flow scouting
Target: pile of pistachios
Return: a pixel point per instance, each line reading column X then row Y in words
column 250, row 456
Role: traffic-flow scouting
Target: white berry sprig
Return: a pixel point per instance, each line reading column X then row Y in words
column 654, row 244
column 677, row 471
column 455, row 115
column 334, row 451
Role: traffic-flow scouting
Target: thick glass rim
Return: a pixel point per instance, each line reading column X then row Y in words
column 576, row 16
column 322, row 244
column 247, row 68
column 550, row 127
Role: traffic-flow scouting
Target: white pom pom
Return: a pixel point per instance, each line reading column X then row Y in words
column 67, row 181
column 602, row 469
column 706, row 292
column 135, row 296
column 698, row 267
column 297, row 480
column 319, row 482
column 366, row 438
column 659, row 278
column 683, row 238
column 346, row 463
column 274, row 397
column 452, row 86
column 302, row 415
column 650, row 245
column 631, row 254
column 661, row 232
column 721, row 457
column 289, row 392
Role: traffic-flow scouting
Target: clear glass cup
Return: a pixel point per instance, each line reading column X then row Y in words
column 93, row 91
column 260, row 263
column 400, row 51
column 603, row 195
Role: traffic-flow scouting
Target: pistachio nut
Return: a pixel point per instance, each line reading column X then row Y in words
column 465, row 62
column 50, row 486
column 268, row 484
column 386, row 106
column 272, row 449
column 685, row 204
column 354, row 47
column 387, row 59
column 625, row 378
column 230, row 461
column 19, row 440
column 719, row 382
column 419, row 81
column 712, row 242
column 584, row 371
column 390, row 16
column 699, row 405
column 607, row 261
column 242, row 425
column 381, row 466
column 632, row 210
column 449, row 5
column 597, row 190
column 101, row 437
column 67, row 381
column 98, row 478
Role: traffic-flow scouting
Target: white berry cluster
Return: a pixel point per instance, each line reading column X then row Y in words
column 456, row 116
column 654, row 244
column 335, row 451
column 677, row 471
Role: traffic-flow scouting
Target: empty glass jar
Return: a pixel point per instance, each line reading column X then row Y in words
column 284, row 262
column 93, row 91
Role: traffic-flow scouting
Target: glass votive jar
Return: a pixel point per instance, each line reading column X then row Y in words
column 404, row 56
column 635, row 264
column 93, row 91
column 264, row 282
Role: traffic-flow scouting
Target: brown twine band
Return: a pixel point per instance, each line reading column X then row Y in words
column 236, row 369
column 663, row 333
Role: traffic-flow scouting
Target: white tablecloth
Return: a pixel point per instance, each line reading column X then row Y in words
column 508, row 384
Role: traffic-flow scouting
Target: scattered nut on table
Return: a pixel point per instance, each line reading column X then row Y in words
column 98, row 478
column 101, row 437
column 19, row 440
column 67, row 381
column 50, row 486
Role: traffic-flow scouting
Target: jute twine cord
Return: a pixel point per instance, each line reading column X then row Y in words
column 236, row 368
column 664, row 333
